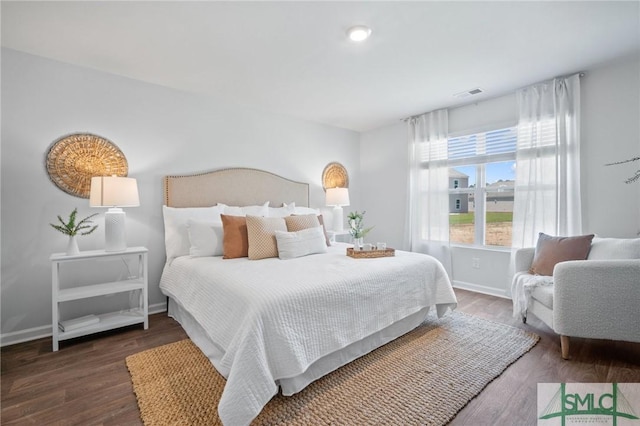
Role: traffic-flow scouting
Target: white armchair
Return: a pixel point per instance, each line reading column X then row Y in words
column 597, row 298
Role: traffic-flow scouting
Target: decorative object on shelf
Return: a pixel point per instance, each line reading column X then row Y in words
column 337, row 197
column 334, row 175
column 636, row 176
column 73, row 228
column 114, row 192
column 357, row 229
column 74, row 159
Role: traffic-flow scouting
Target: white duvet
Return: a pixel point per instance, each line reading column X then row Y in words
column 273, row 318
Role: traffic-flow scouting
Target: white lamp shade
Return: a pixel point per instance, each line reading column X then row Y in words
column 113, row 191
column 337, row 197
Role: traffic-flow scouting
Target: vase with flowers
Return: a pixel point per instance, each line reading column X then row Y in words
column 73, row 228
column 357, row 229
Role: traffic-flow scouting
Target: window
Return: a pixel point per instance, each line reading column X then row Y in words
column 482, row 176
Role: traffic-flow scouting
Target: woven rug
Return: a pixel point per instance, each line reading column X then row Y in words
column 423, row 378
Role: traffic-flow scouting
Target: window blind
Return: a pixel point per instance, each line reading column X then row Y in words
column 485, row 147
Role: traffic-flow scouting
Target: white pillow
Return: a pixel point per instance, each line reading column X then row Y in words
column 205, row 238
column 305, row 210
column 614, row 248
column 300, row 243
column 284, row 211
column 176, row 236
column 262, row 210
column 301, row 210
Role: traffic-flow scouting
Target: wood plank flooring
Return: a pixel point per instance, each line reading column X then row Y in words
column 87, row 382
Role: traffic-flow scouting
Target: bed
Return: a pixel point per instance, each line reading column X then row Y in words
column 275, row 325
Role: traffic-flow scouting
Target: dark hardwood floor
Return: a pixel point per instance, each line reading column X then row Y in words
column 87, row 382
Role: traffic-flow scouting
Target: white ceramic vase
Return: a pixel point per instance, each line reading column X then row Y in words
column 72, row 246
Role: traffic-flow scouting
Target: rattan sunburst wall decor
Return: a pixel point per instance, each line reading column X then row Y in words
column 74, row 159
column 335, row 175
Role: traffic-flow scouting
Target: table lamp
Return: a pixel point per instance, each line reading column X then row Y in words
column 337, row 197
column 114, row 192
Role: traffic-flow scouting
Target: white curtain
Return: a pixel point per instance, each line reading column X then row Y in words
column 427, row 224
column 547, row 192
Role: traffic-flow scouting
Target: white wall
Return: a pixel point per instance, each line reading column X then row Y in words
column 161, row 131
column 610, row 130
column 383, row 164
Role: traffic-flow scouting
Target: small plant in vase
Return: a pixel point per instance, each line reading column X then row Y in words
column 357, row 229
column 73, row 228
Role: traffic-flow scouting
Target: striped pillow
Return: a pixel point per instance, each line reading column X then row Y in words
column 301, row 243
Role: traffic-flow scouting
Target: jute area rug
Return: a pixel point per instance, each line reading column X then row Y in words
column 423, row 378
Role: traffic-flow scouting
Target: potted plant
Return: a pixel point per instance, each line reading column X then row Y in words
column 73, row 228
column 357, row 229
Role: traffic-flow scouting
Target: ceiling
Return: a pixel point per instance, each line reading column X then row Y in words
column 293, row 58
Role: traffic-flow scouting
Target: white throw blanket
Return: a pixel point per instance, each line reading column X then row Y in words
column 522, row 286
column 273, row 318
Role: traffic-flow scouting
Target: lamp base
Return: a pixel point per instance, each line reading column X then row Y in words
column 114, row 230
column 338, row 218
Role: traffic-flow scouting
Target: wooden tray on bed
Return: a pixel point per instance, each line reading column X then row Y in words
column 369, row 254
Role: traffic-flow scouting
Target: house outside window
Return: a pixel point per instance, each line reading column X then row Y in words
column 482, row 178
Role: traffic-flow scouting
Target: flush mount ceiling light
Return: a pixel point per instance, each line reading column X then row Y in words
column 359, row 33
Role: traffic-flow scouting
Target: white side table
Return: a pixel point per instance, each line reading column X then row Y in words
column 134, row 315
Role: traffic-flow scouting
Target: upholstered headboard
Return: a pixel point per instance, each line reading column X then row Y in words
column 234, row 187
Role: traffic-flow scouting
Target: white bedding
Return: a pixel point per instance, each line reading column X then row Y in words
column 271, row 318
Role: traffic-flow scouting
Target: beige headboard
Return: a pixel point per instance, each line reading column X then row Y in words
column 234, row 187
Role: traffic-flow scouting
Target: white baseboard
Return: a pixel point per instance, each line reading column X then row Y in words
column 491, row 291
column 20, row 336
column 35, row 333
column 157, row 308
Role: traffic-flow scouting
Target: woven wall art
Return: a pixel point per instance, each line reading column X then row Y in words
column 335, row 175
column 74, row 159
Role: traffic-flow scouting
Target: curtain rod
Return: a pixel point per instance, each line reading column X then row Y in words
column 580, row 74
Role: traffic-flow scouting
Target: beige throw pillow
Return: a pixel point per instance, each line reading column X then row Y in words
column 297, row 223
column 327, row 240
column 261, row 233
column 552, row 250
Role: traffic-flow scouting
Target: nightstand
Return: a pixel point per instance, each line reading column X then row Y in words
column 340, row 236
column 96, row 323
